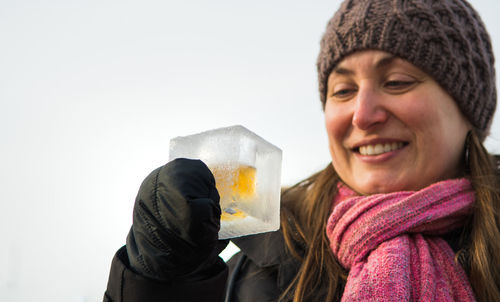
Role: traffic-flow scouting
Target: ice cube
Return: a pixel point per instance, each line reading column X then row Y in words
column 247, row 171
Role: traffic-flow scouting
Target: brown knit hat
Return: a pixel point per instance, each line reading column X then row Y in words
column 445, row 38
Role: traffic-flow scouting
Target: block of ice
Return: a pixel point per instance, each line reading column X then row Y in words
column 247, row 171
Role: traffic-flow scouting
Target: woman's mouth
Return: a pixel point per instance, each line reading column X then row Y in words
column 377, row 149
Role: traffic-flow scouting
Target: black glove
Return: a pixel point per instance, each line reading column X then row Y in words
column 175, row 224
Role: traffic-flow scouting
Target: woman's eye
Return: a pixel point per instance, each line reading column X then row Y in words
column 398, row 85
column 343, row 92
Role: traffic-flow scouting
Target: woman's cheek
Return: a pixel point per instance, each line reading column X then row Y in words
column 337, row 120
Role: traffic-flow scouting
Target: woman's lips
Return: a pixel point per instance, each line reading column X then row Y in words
column 376, row 152
column 376, row 149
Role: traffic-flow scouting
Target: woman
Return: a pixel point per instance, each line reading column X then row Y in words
column 407, row 210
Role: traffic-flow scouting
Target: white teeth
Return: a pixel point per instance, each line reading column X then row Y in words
column 379, row 148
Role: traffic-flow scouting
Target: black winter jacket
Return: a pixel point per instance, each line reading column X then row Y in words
column 259, row 272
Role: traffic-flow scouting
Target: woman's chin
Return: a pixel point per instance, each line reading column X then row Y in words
column 381, row 185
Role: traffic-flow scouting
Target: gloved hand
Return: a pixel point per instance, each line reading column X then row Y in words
column 175, row 224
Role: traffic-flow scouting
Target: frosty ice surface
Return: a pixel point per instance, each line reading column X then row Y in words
column 247, row 171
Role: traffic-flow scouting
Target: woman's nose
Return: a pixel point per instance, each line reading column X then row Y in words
column 369, row 109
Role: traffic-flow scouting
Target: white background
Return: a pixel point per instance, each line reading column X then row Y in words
column 92, row 91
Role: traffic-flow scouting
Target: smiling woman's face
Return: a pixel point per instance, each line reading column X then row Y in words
column 390, row 126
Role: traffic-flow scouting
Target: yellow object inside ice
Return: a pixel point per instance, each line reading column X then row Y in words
column 232, row 214
column 244, row 185
column 235, row 184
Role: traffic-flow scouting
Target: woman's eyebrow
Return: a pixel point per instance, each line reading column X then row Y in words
column 385, row 61
column 342, row 71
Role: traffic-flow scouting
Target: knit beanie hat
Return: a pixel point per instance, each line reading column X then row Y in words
column 445, row 38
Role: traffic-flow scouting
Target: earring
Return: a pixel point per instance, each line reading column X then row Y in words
column 468, row 139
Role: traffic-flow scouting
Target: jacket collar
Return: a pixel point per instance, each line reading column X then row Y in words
column 268, row 249
column 265, row 249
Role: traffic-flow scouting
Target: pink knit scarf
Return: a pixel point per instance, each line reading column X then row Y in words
column 391, row 246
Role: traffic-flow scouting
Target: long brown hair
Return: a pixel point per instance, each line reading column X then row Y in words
column 484, row 246
column 307, row 205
